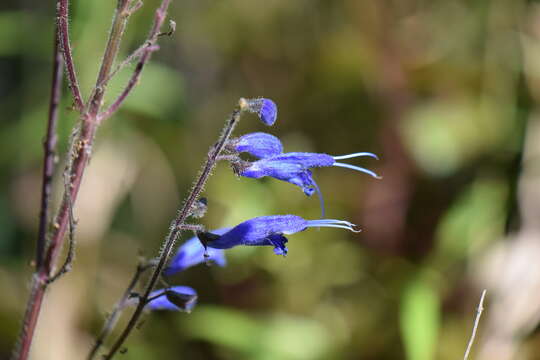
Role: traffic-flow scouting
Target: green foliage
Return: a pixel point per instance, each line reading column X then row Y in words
column 420, row 319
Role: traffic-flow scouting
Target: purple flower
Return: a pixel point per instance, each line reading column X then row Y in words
column 268, row 230
column 259, row 144
column 295, row 168
column 265, row 108
column 192, row 252
column 181, row 298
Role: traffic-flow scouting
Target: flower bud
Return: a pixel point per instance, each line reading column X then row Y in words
column 265, row 108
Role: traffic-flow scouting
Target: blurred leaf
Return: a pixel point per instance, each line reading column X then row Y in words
column 419, row 319
column 280, row 337
column 160, row 90
column 10, row 31
column 444, row 135
column 476, row 217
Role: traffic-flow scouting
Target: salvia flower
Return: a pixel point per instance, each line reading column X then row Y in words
column 192, row 253
column 265, row 108
column 259, row 144
column 295, row 168
column 179, row 298
column 268, row 230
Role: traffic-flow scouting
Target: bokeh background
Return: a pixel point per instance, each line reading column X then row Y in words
column 445, row 92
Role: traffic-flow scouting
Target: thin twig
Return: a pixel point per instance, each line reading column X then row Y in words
column 49, row 146
column 37, row 291
column 66, row 266
column 132, row 57
column 82, row 147
column 175, row 229
column 110, row 323
column 476, row 322
column 161, row 13
column 63, row 38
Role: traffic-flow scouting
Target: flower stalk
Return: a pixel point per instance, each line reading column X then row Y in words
column 176, row 229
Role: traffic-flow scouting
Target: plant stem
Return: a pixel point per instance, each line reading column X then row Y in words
column 37, row 291
column 49, row 146
column 79, row 155
column 159, row 18
column 62, row 19
column 82, row 146
column 115, row 314
column 479, row 311
column 176, row 228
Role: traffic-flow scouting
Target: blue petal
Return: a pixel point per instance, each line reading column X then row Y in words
column 191, row 253
column 259, row 231
column 307, row 160
column 259, row 144
column 268, row 112
column 278, row 241
column 286, row 166
column 265, row 108
column 162, row 303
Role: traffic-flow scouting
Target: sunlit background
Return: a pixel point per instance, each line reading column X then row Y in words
column 445, row 92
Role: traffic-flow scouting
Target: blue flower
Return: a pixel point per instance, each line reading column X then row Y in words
column 265, row 108
column 192, row 252
column 295, row 168
column 181, row 298
column 259, row 144
column 268, row 230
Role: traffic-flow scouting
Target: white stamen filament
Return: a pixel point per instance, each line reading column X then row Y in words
column 333, row 224
column 358, row 168
column 360, row 154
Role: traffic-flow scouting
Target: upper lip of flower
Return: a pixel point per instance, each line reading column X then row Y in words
column 295, row 168
column 258, row 144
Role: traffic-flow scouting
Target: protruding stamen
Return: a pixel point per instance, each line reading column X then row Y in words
column 333, row 223
column 360, row 154
column 358, row 168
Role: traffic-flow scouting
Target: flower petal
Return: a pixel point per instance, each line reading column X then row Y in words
column 192, row 253
column 259, row 144
column 179, row 298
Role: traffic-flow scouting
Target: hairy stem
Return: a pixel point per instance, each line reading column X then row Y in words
column 62, row 24
column 49, row 146
column 115, row 314
column 79, row 155
column 38, row 286
column 176, row 228
column 146, row 51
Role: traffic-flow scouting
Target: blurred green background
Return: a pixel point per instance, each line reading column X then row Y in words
column 445, row 92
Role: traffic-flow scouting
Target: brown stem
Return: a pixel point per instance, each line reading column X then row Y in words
column 176, row 228
column 159, row 18
column 38, row 284
column 79, row 155
column 82, row 146
column 49, row 146
column 115, row 314
column 113, row 45
column 62, row 15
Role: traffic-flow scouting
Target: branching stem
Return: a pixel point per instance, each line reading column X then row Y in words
column 175, row 229
column 37, row 291
column 79, row 154
column 112, row 319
